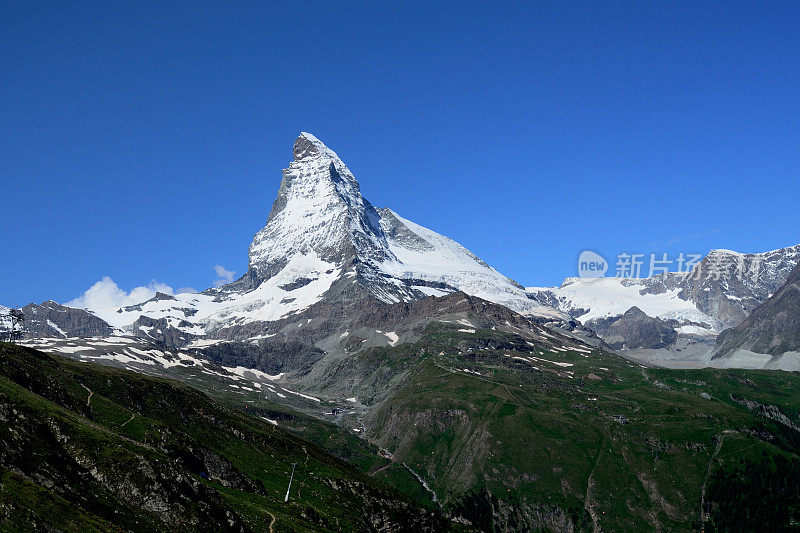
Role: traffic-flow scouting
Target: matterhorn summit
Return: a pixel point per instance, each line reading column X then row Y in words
column 319, row 215
column 320, row 224
column 323, row 243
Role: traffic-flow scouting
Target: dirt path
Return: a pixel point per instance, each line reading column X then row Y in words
column 384, row 467
column 128, row 420
column 89, row 399
column 271, row 524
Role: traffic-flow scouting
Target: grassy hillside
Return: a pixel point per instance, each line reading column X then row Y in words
column 500, row 431
column 524, row 438
column 90, row 448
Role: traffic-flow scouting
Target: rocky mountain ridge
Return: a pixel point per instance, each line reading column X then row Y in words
column 719, row 292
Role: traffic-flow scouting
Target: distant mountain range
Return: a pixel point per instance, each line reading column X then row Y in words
column 324, row 244
column 720, row 292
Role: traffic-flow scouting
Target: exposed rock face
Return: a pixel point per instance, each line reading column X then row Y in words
column 635, row 330
column 487, row 512
column 340, row 319
column 773, row 327
column 729, row 285
column 54, row 320
column 270, row 356
column 162, row 332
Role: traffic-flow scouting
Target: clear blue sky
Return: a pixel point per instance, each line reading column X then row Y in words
column 145, row 142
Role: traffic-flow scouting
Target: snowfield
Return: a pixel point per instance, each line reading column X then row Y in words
column 609, row 297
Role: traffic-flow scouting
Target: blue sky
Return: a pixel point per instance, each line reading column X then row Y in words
column 145, row 142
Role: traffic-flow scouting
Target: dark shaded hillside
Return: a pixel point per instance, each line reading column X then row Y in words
column 90, row 448
column 51, row 319
column 762, row 492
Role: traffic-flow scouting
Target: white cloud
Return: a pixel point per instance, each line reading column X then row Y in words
column 106, row 293
column 160, row 287
column 224, row 276
column 190, row 290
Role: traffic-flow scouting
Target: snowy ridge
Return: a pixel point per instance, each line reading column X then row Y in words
column 206, row 312
column 442, row 260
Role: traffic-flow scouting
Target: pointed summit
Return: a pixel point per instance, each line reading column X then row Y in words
column 306, row 145
column 319, row 214
column 320, row 227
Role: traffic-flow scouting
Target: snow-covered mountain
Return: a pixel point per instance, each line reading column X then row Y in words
column 589, row 299
column 5, row 319
column 326, row 252
column 720, row 292
column 323, row 241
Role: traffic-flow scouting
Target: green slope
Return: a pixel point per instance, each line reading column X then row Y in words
column 521, row 438
column 504, row 431
column 85, row 447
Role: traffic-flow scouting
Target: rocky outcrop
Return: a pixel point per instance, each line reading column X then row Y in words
column 487, row 512
column 51, row 319
column 162, row 332
column 270, row 356
column 773, row 327
column 635, row 330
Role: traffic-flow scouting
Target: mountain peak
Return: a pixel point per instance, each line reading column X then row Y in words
column 320, row 229
column 307, row 146
column 319, row 213
column 635, row 312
